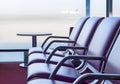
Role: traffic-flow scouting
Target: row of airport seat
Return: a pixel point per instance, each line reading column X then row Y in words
column 92, row 51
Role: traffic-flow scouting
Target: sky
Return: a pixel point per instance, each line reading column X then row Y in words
column 52, row 6
column 38, row 6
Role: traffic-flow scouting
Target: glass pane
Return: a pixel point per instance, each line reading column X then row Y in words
column 98, row 7
column 54, row 16
column 116, row 8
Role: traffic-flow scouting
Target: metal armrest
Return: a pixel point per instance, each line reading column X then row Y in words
column 100, row 76
column 63, row 47
column 57, row 41
column 62, row 37
column 85, row 57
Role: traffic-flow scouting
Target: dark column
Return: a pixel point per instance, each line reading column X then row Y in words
column 87, row 7
column 108, row 8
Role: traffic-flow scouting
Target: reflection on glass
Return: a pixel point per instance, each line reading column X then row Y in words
column 98, row 7
column 55, row 16
column 116, row 8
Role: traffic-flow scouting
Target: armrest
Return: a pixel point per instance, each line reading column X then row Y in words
column 71, row 28
column 100, row 76
column 85, row 57
column 62, row 37
column 64, row 47
column 57, row 41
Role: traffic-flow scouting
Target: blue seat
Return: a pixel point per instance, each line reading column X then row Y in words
column 98, row 50
column 60, row 39
column 84, row 40
column 71, row 41
column 111, row 71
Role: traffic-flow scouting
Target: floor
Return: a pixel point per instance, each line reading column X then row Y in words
column 12, row 73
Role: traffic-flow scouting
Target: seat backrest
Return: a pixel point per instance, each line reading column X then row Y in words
column 103, row 39
column 74, row 33
column 113, row 63
column 87, row 32
column 77, row 29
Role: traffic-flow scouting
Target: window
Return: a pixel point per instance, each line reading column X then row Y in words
column 98, row 8
column 116, row 8
column 55, row 16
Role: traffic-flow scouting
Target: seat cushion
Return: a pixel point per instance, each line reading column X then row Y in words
column 46, row 81
column 33, row 49
column 40, row 58
column 40, row 50
column 43, row 70
column 36, row 57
